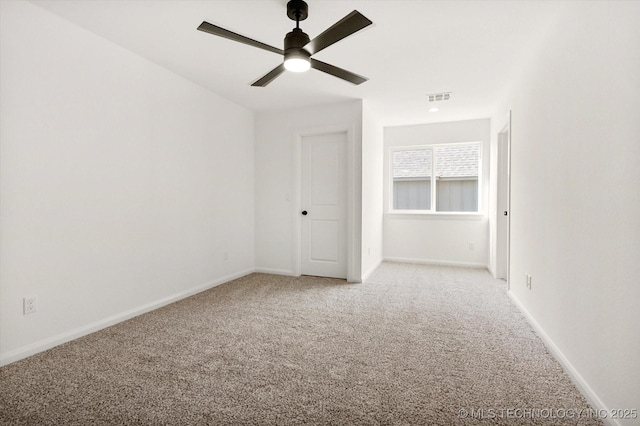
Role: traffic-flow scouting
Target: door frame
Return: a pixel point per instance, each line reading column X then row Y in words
column 504, row 143
column 352, row 211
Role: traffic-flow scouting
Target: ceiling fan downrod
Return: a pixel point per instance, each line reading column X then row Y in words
column 297, row 10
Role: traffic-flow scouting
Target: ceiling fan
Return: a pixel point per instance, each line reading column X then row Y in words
column 298, row 48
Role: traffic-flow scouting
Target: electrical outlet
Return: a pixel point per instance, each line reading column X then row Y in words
column 30, row 305
column 529, row 281
column 225, row 257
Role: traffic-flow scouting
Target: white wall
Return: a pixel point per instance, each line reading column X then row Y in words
column 372, row 187
column 277, row 214
column 438, row 238
column 575, row 212
column 122, row 184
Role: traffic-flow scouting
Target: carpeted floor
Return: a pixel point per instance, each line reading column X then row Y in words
column 414, row 345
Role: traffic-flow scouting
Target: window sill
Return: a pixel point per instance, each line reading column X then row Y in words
column 398, row 214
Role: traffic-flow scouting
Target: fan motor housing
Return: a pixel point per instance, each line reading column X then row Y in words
column 294, row 43
column 296, row 39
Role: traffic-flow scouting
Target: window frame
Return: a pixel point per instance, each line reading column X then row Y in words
column 433, row 210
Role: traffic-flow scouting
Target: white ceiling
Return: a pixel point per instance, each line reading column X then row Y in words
column 413, row 48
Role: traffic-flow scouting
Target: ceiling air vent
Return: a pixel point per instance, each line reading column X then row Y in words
column 435, row 97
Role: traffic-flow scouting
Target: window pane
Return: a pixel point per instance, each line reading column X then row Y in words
column 412, row 179
column 457, row 195
column 412, row 194
column 457, row 168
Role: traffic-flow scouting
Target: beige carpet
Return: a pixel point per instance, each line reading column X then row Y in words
column 415, row 345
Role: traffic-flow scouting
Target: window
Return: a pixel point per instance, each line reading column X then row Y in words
column 444, row 176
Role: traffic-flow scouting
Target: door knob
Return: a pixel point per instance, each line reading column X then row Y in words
column 505, row 213
column 304, row 212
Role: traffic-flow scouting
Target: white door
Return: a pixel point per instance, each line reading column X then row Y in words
column 502, row 237
column 324, row 205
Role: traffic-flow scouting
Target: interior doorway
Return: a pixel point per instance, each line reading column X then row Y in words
column 324, row 205
column 503, row 202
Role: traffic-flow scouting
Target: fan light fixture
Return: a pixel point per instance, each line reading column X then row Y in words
column 297, row 65
column 297, row 62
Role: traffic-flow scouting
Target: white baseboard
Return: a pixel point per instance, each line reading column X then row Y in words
column 435, row 262
column 53, row 341
column 274, row 271
column 582, row 385
column 492, row 272
column 366, row 275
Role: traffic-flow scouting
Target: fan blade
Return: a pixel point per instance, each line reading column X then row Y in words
column 353, row 22
column 221, row 32
column 338, row 72
column 270, row 76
